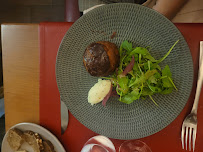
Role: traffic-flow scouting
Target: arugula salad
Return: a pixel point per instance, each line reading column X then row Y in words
column 139, row 75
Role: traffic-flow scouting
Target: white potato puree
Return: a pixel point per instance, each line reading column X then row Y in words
column 99, row 91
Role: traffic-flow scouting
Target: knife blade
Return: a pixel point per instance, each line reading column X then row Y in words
column 201, row 53
column 64, row 117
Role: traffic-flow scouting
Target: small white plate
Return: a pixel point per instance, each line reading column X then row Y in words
column 45, row 134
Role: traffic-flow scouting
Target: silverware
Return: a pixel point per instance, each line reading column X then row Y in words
column 189, row 126
column 64, row 117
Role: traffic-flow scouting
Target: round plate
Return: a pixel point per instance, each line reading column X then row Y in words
column 144, row 27
column 45, row 134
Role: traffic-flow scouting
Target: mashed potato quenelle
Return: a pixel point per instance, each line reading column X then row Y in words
column 99, row 91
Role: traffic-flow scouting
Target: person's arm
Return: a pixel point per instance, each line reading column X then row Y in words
column 169, row 8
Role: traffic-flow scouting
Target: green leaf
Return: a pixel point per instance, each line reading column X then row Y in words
column 146, row 91
column 136, row 70
column 153, row 79
column 132, row 74
column 166, row 82
column 149, row 57
column 141, row 89
column 118, row 92
column 167, row 91
column 148, row 65
column 149, row 73
column 153, row 100
column 140, row 50
column 135, row 92
column 139, row 68
column 170, row 79
column 165, row 56
column 166, row 78
column 144, row 52
column 127, row 46
column 140, row 58
column 143, row 78
column 121, row 51
column 130, row 97
column 157, row 75
column 138, row 81
column 129, row 58
column 131, row 80
column 166, row 71
column 136, row 57
column 135, row 67
column 123, row 83
column 155, row 66
column 154, row 89
column 120, row 68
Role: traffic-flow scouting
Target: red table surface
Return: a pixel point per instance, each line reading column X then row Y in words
column 167, row 140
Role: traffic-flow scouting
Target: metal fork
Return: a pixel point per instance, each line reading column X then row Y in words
column 189, row 126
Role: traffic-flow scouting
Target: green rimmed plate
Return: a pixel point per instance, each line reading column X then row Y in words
column 144, row 27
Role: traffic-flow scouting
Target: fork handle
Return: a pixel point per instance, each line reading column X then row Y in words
column 199, row 82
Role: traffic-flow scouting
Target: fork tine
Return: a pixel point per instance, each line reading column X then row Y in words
column 182, row 136
column 190, row 135
column 194, row 138
column 186, row 137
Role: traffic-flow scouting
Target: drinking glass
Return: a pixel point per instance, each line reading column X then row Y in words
column 99, row 144
column 134, row 146
column 103, row 144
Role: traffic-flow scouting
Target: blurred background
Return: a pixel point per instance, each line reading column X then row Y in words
column 36, row 11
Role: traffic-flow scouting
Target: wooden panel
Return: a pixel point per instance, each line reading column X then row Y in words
column 21, row 73
column 58, row 2
column 29, row 2
column 47, row 13
column 15, row 14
